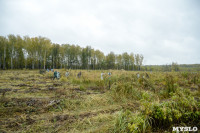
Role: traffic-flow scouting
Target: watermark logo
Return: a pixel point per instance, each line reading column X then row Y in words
column 190, row 129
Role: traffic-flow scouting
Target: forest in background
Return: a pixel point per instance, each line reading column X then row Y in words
column 172, row 67
column 18, row 52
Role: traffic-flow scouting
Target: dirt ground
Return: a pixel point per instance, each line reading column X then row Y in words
column 33, row 102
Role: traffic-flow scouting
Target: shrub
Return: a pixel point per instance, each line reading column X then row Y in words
column 101, row 84
column 82, row 88
column 76, row 81
column 180, row 109
column 170, row 84
column 131, row 122
column 63, row 79
column 86, row 81
column 121, row 124
column 120, row 91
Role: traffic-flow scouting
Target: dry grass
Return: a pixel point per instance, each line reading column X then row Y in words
column 34, row 102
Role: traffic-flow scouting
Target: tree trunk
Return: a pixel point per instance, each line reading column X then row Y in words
column 44, row 59
column 33, row 64
column 12, row 57
column 53, row 62
column 0, row 61
column 38, row 63
column 4, row 59
column 25, row 63
column 11, row 62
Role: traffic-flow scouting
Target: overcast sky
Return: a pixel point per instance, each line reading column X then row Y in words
column 162, row 30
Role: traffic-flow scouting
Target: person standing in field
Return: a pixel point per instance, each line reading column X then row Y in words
column 58, row 75
column 67, row 74
column 55, row 75
column 102, row 76
column 79, row 75
column 138, row 75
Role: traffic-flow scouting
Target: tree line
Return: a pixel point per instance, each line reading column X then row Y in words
column 18, row 52
column 174, row 66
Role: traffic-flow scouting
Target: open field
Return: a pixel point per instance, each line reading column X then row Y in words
column 153, row 102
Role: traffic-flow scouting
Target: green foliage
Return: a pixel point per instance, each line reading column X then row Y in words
column 127, row 87
column 63, row 79
column 185, row 75
column 76, row 81
column 101, row 84
column 195, row 78
column 40, row 53
column 146, row 83
column 128, row 121
column 121, row 124
column 86, row 81
column 82, row 87
column 181, row 108
column 170, row 84
column 120, row 91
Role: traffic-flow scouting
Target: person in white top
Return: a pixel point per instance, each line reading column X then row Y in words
column 102, row 76
column 67, row 74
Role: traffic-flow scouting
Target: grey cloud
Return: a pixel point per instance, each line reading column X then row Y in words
column 163, row 31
